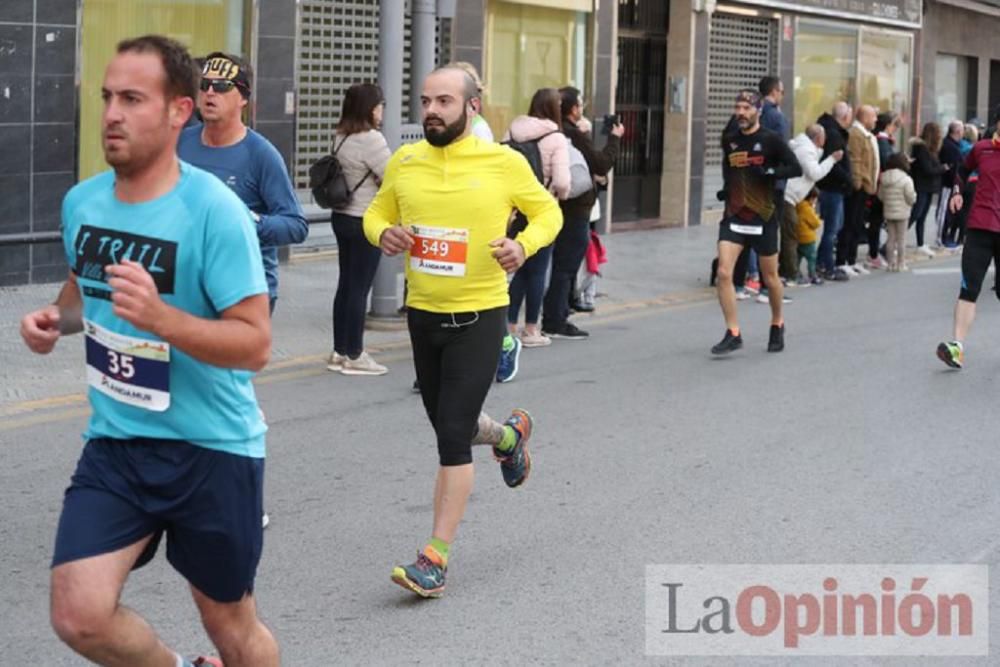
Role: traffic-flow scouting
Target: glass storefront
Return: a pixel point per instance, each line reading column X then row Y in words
column 530, row 47
column 862, row 65
column 202, row 26
column 955, row 87
column 826, row 69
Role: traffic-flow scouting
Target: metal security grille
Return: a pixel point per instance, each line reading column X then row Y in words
column 338, row 47
column 741, row 50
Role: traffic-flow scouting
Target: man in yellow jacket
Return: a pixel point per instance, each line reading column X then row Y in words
column 445, row 203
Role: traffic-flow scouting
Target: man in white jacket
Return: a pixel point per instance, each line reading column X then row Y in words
column 808, row 148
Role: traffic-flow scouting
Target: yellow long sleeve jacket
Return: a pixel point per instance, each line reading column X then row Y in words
column 456, row 200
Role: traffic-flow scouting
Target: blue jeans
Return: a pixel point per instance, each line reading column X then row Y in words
column 528, row 285
column 358, row 261
column 831, row 210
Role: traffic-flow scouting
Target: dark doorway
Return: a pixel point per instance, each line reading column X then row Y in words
column 642, row 70
column 994, row 90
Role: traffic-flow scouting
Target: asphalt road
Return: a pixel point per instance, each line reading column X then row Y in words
column 855, row 445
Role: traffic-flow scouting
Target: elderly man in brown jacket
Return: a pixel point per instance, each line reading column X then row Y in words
column 862, row 147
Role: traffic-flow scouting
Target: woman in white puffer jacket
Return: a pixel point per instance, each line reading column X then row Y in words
column 541, row 124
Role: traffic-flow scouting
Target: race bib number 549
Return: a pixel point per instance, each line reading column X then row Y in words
column 440, row 251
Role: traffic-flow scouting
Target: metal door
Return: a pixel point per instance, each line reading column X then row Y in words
column 639, row 99
column 741, row 50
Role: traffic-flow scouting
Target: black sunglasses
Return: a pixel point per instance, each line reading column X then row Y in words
column 218, row 85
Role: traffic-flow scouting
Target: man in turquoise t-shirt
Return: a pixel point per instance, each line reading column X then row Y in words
column 167, row 286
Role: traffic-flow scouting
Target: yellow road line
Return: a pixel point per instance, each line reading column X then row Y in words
column 313, row 365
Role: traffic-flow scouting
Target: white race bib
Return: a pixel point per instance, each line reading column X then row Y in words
column 134, row 371
column 748, row 230
column 439, row 251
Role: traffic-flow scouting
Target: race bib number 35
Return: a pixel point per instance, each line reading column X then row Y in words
column 439, row 251
column 134, row 371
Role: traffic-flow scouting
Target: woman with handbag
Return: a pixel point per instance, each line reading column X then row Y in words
column 541, row 125
column 362, row 153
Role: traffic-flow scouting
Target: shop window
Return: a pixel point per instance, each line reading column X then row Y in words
column 826, row 68
column 528, row 48
column 885, row 72
column 955, row 87
column 202, row 26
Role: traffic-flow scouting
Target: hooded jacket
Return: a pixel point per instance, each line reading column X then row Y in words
column 808, row 154
column 951, row 154
column 925, row 170
column 897, row 194
column 551, row 145
column 839, row 178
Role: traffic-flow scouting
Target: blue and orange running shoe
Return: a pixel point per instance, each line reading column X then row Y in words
column 515, row 465
column 425, row 577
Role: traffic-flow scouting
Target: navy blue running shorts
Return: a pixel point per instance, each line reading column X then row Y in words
column 209, row 504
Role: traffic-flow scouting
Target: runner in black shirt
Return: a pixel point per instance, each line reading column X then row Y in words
column 753, row 159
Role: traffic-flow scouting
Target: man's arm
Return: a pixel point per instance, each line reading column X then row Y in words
column 540, row 208
column 381, row 219
column 42, row 328
column 284, row 223
column 241, row 338
column 788, row 165
column 600, row 161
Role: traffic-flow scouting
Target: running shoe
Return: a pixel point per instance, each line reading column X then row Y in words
column 742, row 294
column 849, row 270
column 203, row 661
column 424, row 577
column 729, row 343
column 507, row 368
column 776, row 339
column 816, row 280
column 803, row 281
column 363, row 365
column 753, row 285
column 515, row 465
column 567, row 331
column 764, row 298
column 838, row 275
column 926, row 251
column 876, row 264
column 951, row 354
column 535, row 340
column 335, row 362
column 860, row 269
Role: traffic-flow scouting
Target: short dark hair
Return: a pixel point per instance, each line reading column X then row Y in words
column 570, row 98
column 359, row 103
column 898, row 161
column 768, row 85
column 546, row 103
column 813, row 194
column 884, row 120
column 181, row 77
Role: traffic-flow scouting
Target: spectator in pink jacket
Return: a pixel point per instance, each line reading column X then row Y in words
column 542, row 124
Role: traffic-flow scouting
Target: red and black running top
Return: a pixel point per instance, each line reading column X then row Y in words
column 751, row 163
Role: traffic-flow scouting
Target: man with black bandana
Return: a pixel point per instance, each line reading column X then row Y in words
column 753, row 159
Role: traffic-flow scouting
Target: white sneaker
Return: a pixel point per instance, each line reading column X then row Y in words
column 861, row 270
column 335, row 361
column 363, row 365
column 926, row 251
column 742, row 294
column 849, row 270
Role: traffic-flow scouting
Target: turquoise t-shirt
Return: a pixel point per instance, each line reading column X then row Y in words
column 199, row 244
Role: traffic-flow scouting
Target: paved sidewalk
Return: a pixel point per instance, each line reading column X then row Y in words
column 643, row 266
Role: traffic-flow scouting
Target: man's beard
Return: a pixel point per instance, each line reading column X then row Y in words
column 443, row 137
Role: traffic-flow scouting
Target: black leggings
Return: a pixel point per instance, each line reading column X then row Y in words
column 455, row 356
column 981, row 248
